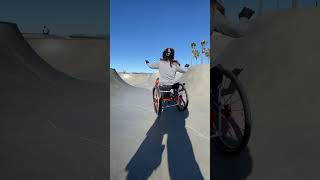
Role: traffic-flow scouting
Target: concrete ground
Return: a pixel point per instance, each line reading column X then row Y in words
column 81, row 58
column 172, row 146
column 280, row 56
column 52, row 126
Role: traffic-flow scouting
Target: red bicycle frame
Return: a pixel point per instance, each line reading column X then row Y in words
column 175, row 98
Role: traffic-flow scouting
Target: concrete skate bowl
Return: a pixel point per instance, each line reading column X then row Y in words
column 83, row 58
column 116, row 82
column 143, row 80
column 218, row 43
column 280, row 56
column 52, row 125
column 137, row 132
column 197, row 79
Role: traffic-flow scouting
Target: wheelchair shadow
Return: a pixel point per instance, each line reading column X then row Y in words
column 181, row 159
column 237, row 167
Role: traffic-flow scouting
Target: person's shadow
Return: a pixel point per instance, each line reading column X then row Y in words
column 224, row 166
column 236, row 167
column 181, row 159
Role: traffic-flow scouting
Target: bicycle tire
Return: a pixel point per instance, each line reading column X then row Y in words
column 187, row 98
column 158, row 107
column 247, row 120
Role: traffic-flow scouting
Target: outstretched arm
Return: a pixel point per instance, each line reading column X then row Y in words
column 152, row 65
column 179, row 69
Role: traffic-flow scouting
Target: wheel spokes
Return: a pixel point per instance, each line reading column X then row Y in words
column 232, row 129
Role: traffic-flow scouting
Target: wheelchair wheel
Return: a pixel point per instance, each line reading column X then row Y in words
column 157, row 102
column 183, row 101
column 234, row 116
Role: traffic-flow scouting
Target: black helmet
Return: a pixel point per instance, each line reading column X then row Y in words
column 168, row 54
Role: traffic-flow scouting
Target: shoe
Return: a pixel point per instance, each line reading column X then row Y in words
column 246, row 12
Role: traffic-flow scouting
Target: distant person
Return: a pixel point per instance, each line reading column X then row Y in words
column 45, row 30
column 167, row 69
column 223, row 25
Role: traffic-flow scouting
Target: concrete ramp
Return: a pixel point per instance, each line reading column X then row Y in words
column 52, row 126
column 15, row 48
column 81, row 58
column 142, row 80
column 197, row 79
column 174, row 145
column 218, row 42
column 116, row 82
column 280, row 56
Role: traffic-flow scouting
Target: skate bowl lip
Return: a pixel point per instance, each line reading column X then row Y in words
column 31, row 35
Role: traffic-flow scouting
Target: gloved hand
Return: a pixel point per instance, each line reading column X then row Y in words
column 237, row 71
column 187, row 65
column 147, row 61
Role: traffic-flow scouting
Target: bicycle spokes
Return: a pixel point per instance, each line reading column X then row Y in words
column 232, row 118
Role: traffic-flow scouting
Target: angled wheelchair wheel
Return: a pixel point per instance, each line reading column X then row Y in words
column 182, row 100
column 235, row 118
column 157, row 102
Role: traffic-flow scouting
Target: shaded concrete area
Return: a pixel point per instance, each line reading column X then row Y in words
column 218, row 42
column 52, row 126
column 280, row 58
column 181, row 160
column 82, row 58
column 172, row 146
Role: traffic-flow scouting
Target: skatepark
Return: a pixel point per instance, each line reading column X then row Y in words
column 54, row 124
column 79, row 57
column 174, row 145
column 280, row 57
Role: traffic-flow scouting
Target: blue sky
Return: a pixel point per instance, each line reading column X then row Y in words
column 61, row 16
column 233, row 7
column 141, row 30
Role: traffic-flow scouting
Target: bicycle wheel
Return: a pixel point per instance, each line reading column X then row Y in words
column 234, row 123
column 183, row 100
column 157, row 102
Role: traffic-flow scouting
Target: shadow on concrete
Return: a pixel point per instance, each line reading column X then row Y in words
column 237, row 167
column 181, row 161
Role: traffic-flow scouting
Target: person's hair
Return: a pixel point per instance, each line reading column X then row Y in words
column 171, row 56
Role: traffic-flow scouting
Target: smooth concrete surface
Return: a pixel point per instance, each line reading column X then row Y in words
column 174, row 145
column 81, row 58
column 280, row 56
column 52, row 126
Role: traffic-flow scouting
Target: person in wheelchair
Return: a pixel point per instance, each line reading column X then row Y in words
column 168, row 67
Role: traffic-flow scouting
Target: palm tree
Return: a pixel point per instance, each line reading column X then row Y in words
column 207, row 54
column 193, row 47
column 203, row 49
column 196, row 54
